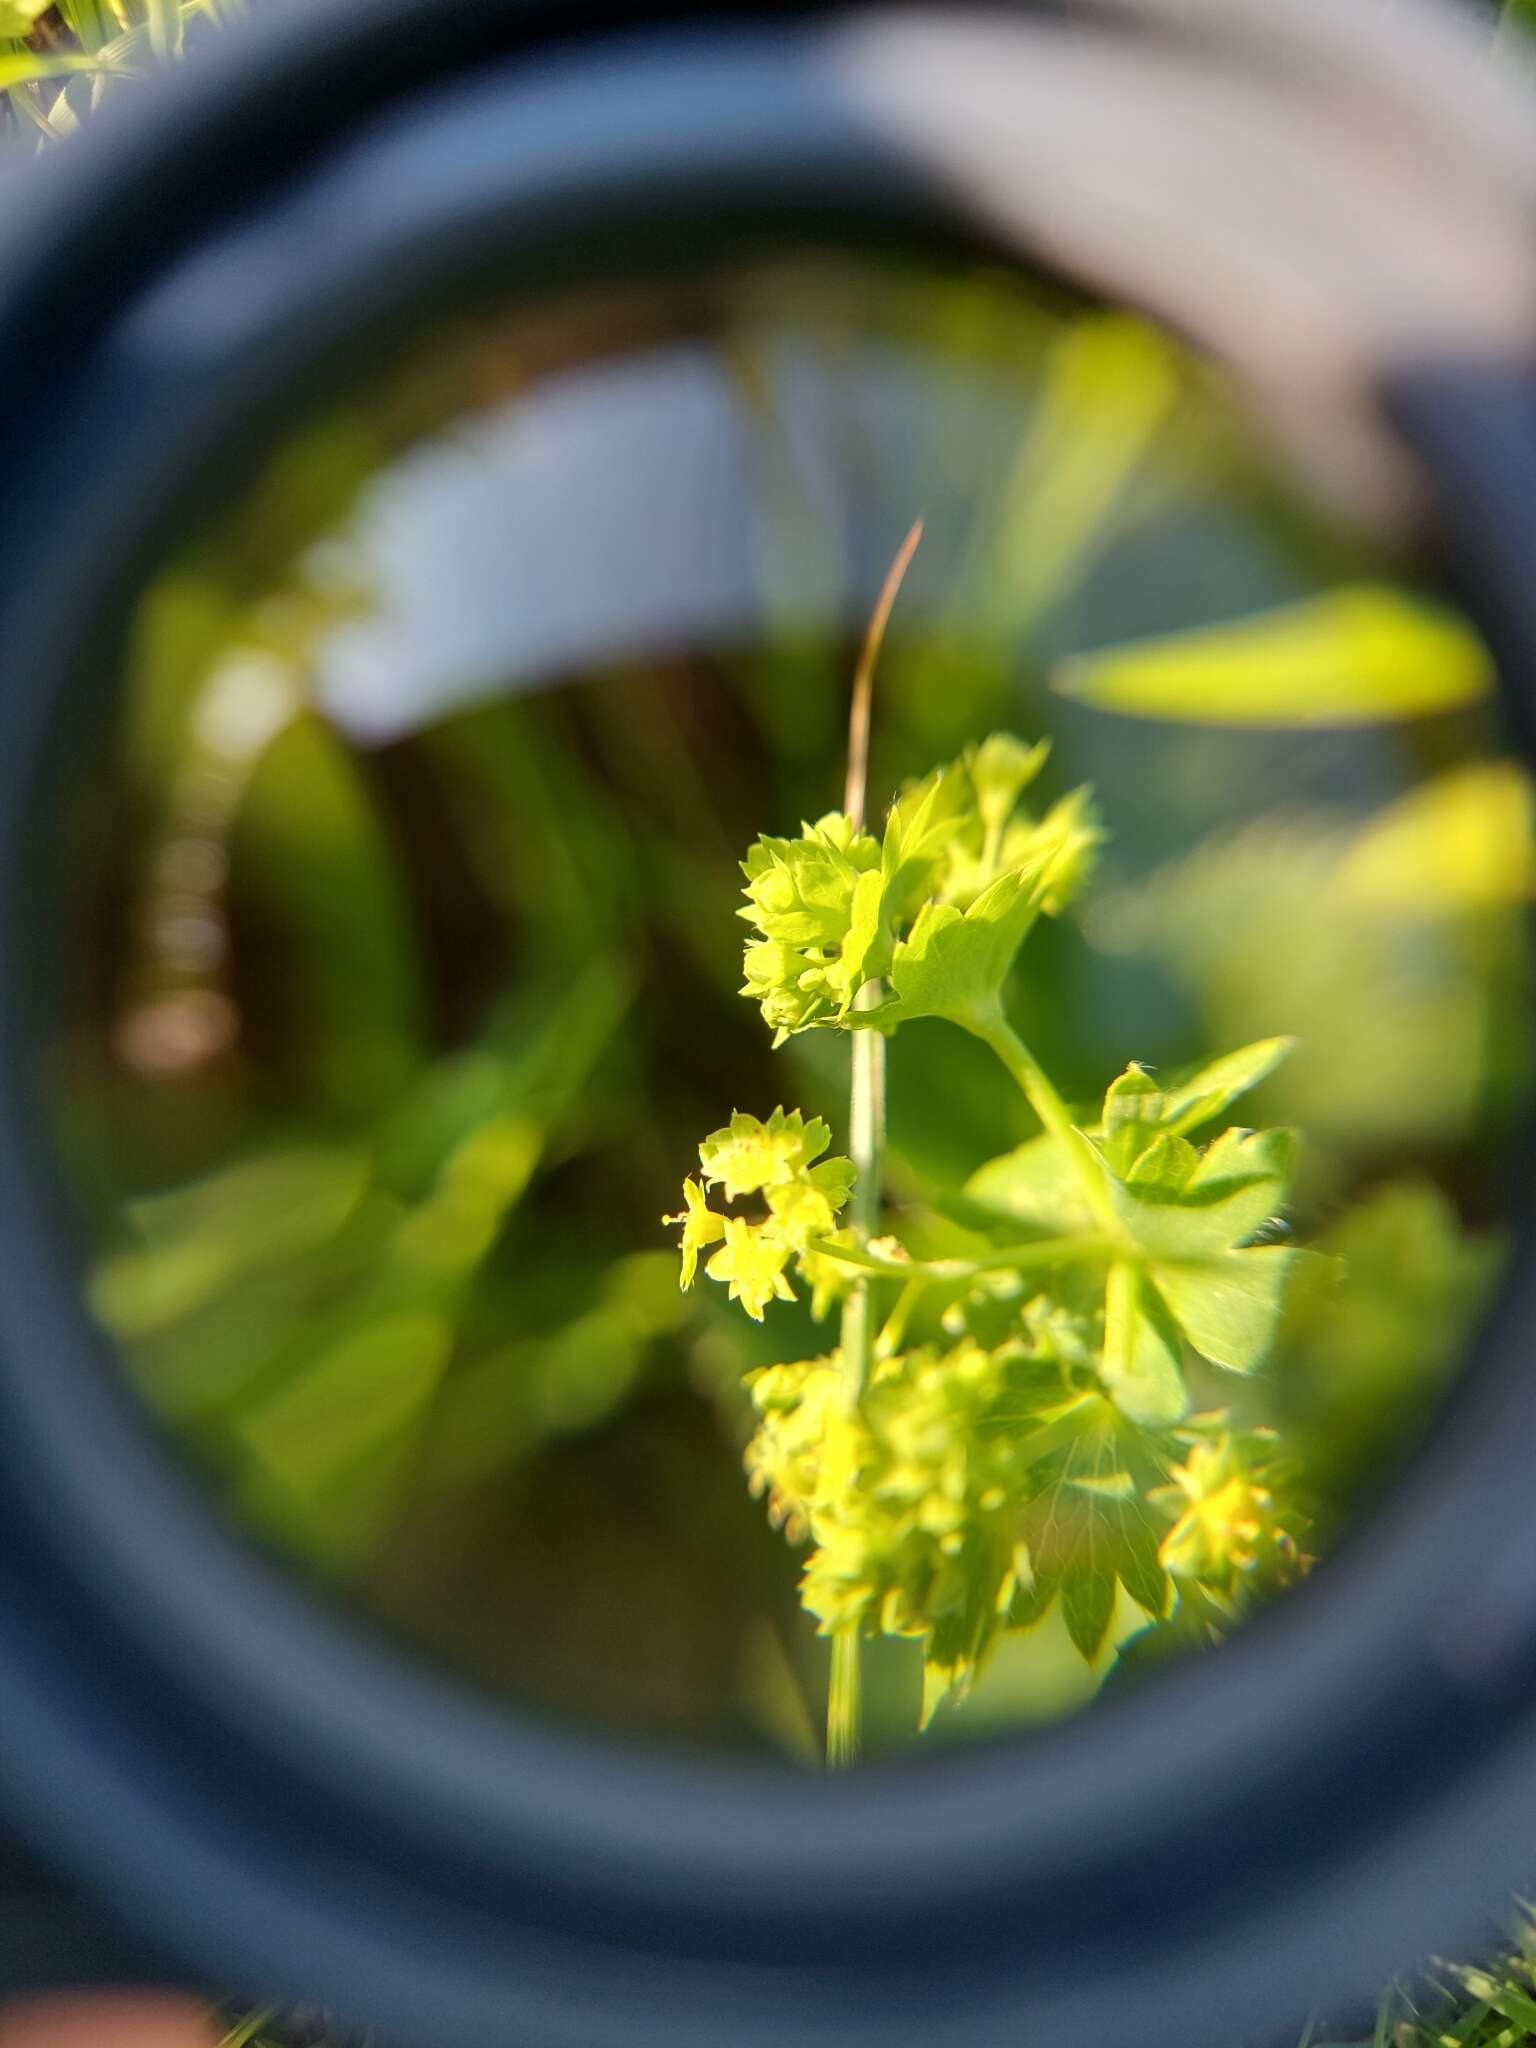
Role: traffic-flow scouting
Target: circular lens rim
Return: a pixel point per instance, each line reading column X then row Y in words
column 681, row 1859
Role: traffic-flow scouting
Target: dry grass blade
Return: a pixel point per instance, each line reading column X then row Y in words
column 864, row 676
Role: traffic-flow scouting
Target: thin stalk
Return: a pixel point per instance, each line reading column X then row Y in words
column 866, row 1148
column 1083, row 1248
column 864, row 676
column 243, row 2034
column 845, row 1706
column 894, row 1329
column 1040, row 1092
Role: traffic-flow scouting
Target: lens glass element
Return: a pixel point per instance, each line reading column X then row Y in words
column 1087, row 1172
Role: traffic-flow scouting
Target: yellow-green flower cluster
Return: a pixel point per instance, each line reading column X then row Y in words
column 831, row 909
column 909, row 1498
column 991, row 836
column 804, row 1194
column 1229, row 1534
column 1029, row 1450
column 804, row 902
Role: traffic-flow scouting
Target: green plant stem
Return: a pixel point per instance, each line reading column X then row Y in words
column 844, row 1702
column 1084, row 1249
column 866, row 1146
column 894, row 1329
column 866, row 1143
column 994, row 1030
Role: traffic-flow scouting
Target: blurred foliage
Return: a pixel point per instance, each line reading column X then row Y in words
column 1394, row 950
column 1352, row 657
column 1491, row 2004
column 60, row 58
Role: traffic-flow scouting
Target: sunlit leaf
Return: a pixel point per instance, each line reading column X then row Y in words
column 1183, row 1205
column 18, row 17
column 1086, row 1525
column 953, row 964
column 1141, row 1364
column 1352, row 657
column 163, row 20
column 1465, row 841
column 1035, row 1183
column 1228, row 1307
column 32, row 69
column 1202, row 1093
column 196, row 1241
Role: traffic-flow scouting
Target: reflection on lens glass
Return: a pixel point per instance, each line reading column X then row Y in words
column 1085, row 1148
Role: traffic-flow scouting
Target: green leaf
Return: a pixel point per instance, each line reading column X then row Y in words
column 919, row 827
column 1239, row 1182
column 1002, row 768
column 319, row 873
column 1086, row 1525
column 926, row 822
column 1087, row 1602
column 1461, row 843
column 1141, row 1364
column 1138, row 1107
column 18, row 17
column 863, row 949
column 1199, row 1094
column 163, row 18
column 1180, row 1204
column 1351, row 657
column 1228, row 1307
column 1035, row 1183
column 347, row 1401
column 30, row 69
column 195, row 1242
column 953, row 965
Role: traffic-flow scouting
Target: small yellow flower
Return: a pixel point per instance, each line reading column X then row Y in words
column 751, row 1262
column 808, row 1206
column 1228, row 1515
column 701, row 1227
column 749, row 1155
column 799, row 1407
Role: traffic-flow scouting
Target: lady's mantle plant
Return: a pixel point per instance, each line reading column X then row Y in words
column 1016, row 1429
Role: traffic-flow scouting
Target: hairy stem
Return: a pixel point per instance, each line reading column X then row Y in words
column 1039, row 1091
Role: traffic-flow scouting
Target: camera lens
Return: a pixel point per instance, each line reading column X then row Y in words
column 767, row 1003
column 466, row 858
